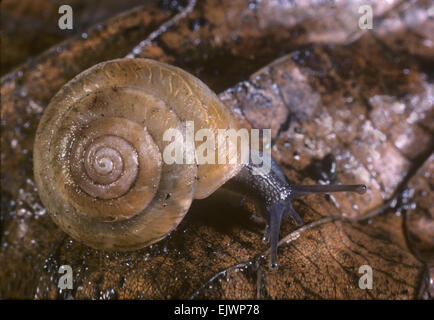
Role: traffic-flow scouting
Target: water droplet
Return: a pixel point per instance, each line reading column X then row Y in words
column 23, row 93
column 252, row 6
column 136, row 51
column 14, row 143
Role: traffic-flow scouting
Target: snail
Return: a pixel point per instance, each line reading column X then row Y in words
column 98, row 161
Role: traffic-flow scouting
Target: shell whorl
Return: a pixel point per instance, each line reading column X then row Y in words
column 98, row 152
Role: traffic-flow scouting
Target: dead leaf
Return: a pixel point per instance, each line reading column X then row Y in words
column 361, row 103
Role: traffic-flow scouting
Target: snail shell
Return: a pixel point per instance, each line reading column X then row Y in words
column 98, row 152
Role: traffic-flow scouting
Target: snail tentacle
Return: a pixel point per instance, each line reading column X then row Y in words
column 275, row 191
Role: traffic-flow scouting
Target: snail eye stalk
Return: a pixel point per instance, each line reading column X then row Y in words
column 278, row 210
column 300, row 190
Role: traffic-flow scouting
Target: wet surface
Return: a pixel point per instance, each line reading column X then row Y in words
column 29, row 27
column 359, row 109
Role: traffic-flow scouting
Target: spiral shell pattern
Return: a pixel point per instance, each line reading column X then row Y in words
column 98, row 152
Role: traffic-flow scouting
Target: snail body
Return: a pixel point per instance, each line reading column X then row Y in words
column 98, row 158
